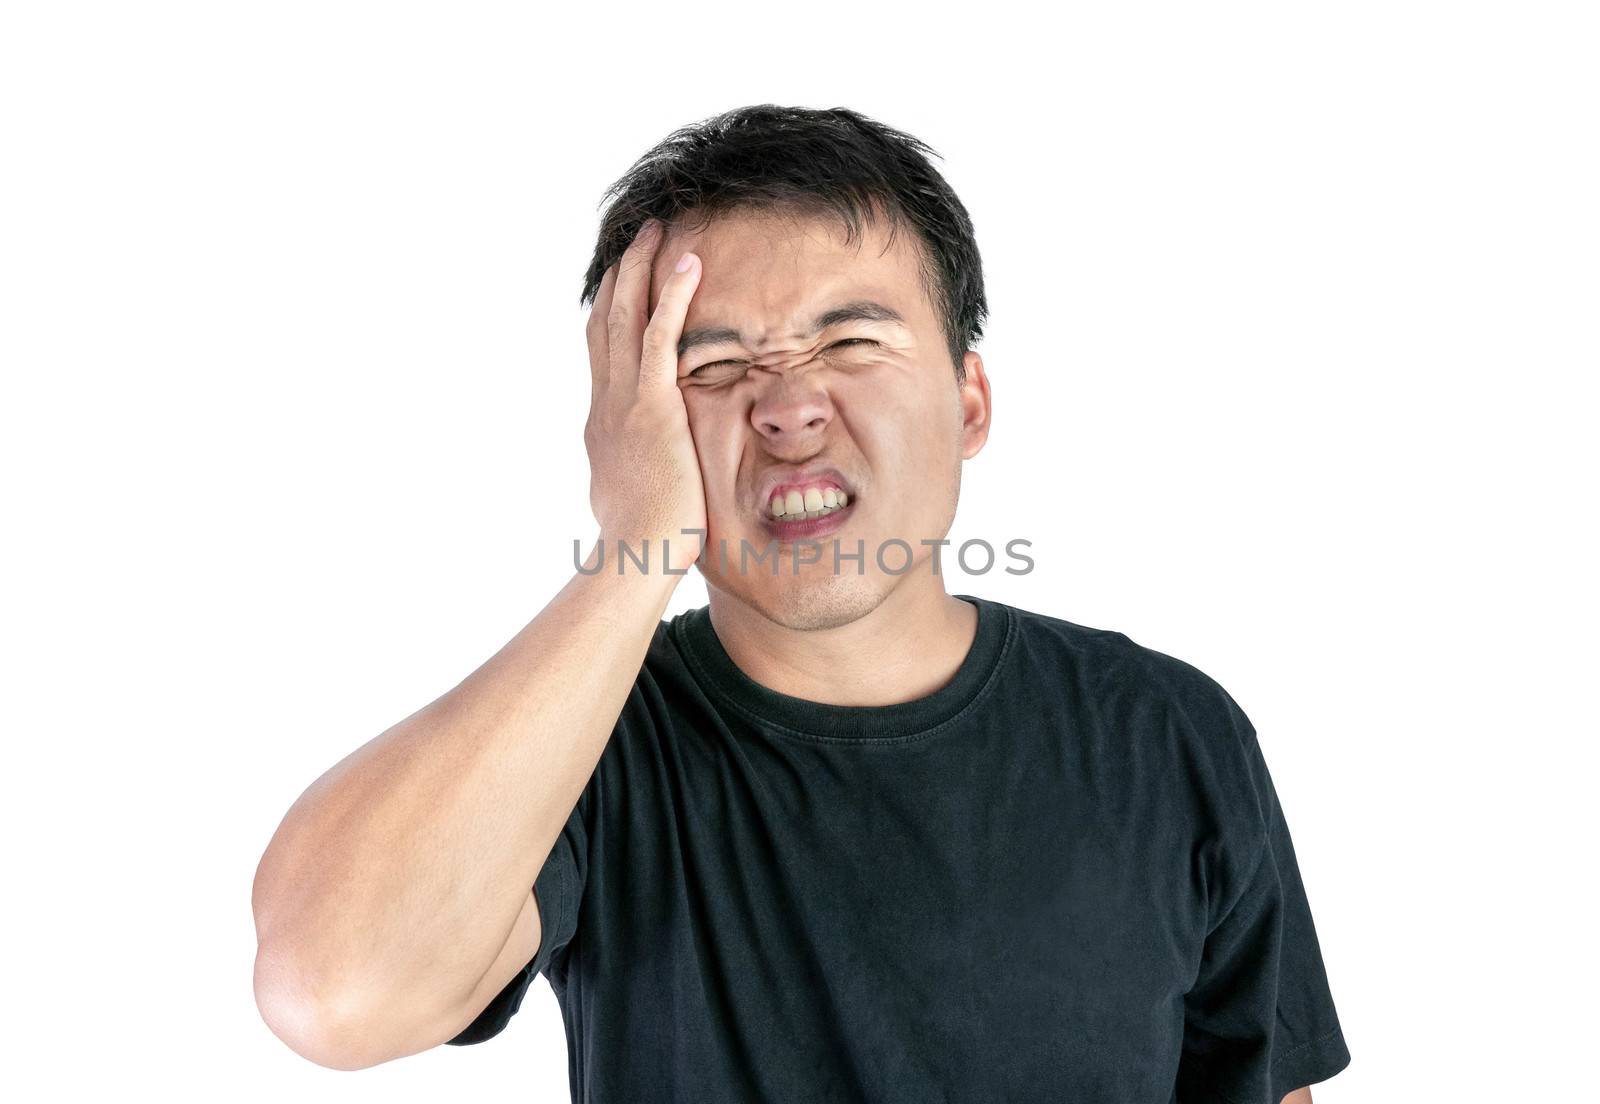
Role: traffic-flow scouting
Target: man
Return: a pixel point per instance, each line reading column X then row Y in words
column 838, row 835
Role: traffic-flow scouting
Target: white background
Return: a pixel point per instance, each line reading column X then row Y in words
column 1293, row 331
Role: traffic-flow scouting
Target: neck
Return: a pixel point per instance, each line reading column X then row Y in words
column 908, row 646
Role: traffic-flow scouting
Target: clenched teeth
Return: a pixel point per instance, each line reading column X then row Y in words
column 812, row 504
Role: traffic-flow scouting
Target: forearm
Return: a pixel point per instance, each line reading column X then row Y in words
column 394, row 880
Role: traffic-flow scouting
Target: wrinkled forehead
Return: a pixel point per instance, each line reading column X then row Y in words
column 767, row 275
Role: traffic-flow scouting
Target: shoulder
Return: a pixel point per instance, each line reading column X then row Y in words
column 1115, row 666
column 1201, row 701
column 1150, row 706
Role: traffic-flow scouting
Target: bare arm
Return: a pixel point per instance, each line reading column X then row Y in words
column 1299, row 1096
column 396, row 878
column 396, row 891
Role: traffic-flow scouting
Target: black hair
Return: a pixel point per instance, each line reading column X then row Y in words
column 807, row 162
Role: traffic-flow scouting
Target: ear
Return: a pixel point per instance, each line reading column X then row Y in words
column 976, row 406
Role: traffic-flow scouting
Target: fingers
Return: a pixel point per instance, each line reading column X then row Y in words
column 599, row 347
column 658, row 362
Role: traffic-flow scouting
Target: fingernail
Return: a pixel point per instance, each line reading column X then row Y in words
column 684, row 262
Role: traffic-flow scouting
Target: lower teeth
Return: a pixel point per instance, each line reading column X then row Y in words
column 808, row 515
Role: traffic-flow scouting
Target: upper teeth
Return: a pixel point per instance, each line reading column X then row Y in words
column 813, row 502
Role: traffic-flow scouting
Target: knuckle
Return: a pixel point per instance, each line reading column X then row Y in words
column 658, row 338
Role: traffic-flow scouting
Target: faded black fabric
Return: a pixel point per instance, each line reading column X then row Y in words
column 1064, row 876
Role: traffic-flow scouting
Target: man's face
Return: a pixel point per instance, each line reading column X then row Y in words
column 875, row 402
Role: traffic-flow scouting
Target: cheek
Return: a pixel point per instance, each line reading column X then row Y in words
column 709, row 420
column 717, row 441
column 912, row 441
column 900, row 424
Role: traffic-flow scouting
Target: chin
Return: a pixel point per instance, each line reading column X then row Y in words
column 814, row 599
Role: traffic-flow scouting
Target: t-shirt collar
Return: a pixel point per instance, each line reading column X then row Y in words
column 767, row 708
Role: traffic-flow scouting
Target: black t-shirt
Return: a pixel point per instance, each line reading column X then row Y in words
column 1064, row 876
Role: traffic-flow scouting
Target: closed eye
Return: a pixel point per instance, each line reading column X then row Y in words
column 835, row 345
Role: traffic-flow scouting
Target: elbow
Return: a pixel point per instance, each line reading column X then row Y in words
column 318, row 1030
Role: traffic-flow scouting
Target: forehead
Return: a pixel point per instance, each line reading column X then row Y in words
column 768, row 275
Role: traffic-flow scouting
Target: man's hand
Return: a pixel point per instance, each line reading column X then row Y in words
column 644, row 472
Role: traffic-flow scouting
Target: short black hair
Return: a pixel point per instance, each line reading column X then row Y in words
column 808, row 162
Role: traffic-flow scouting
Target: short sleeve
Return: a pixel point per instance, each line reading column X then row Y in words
column 1259, row 1021
column 557, row 889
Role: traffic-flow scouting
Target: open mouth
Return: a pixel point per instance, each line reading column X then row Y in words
column 807, row 512
column 817, row 500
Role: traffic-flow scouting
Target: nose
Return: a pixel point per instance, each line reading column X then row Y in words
column 792, row 409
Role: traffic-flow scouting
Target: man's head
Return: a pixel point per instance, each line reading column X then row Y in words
column 801, row 217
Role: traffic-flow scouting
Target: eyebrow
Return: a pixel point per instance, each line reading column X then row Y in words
column 861, row 310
